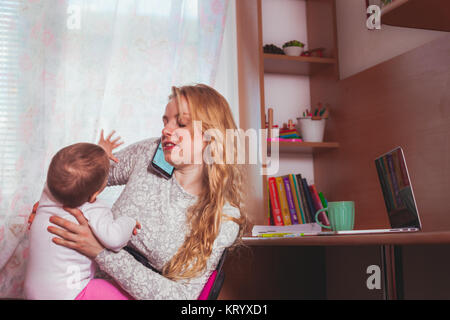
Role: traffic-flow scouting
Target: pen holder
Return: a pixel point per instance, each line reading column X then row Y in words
column 311, row 130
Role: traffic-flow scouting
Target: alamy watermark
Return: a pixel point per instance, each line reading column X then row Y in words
column 74, row 17
column 235, row 146
column 374, row 19
column 374, row 280
column 73, row 279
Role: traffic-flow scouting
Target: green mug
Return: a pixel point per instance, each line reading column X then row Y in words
column 341, row 215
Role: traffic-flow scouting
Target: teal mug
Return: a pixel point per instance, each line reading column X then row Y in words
column 341, row 215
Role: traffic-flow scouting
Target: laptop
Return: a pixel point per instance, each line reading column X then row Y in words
column 398, row 195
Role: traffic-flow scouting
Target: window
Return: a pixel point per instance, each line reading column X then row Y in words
column 10, row 46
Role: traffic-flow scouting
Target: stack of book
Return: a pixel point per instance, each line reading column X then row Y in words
column 293, row 201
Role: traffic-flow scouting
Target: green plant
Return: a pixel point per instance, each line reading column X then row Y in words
column 293, row 43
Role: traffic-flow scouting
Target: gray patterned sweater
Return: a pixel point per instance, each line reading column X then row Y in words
column 160, row 206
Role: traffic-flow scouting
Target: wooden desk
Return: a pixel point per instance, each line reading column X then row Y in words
column 406, row 238
column 390, row 244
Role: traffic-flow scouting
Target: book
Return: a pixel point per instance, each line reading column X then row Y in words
column 269, row 209
column 323, row 200
column 290, row 200
column 309, row 200
column 303, row 196
column 288, row 133
column 318, row 205
column 296, row 228
column 283, row 201
column 297, row 198
column 275, row 203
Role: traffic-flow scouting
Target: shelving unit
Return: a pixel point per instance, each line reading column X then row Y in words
column 321, row 17
column 306, row 147
column 282, row 64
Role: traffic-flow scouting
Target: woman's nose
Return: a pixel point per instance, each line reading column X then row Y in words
column 168, row 130
column 165, row 132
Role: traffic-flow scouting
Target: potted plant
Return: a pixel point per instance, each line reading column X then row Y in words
column 293, row 48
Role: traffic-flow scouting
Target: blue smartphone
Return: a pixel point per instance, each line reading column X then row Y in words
column 160, row 164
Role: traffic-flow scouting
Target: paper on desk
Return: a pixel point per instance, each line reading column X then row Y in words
column 295, row 228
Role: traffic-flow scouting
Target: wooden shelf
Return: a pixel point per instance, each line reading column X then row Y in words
column 408, row 238
column 306, row 147
column 419, row 14
column 282, row 64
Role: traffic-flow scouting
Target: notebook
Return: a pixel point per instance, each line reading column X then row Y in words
column 398, row 195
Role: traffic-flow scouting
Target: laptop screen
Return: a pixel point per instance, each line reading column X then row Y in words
column 397, row 190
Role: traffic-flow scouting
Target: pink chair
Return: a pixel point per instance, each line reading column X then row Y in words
column 212, row 287
column 204, row 295
column 215, row 281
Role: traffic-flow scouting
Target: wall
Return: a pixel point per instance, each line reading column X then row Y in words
column 403, row 101
column 289, row 96
column 360, row 48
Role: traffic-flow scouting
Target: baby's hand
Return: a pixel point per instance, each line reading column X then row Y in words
column 109, row 145
column 135, row 230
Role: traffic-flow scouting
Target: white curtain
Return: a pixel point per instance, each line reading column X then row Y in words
column 71, row 67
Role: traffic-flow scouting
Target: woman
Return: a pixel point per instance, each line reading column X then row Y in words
column 186, row 221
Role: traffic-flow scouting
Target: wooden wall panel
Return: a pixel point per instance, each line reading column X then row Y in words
column 249, row 64
column 402, row 102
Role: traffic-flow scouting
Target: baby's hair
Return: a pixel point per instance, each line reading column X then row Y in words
column 76, row 172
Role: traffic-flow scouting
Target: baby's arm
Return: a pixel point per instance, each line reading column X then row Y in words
column 114, row 234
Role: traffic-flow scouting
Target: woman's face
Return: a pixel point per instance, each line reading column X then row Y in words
column 180, row 147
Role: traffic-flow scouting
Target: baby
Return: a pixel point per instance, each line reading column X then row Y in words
column 76, row 176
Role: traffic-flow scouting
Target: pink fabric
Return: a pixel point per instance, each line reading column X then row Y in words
column 100, row 289
column 208, row 286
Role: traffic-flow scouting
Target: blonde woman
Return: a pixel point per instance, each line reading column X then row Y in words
column 186, row 221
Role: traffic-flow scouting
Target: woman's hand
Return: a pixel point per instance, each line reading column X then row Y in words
column 109, row 145
column 74, row 236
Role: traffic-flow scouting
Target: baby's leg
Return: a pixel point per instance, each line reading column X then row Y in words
column 100, row 289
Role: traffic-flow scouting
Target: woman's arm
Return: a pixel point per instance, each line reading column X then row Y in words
column 136, row 279
column 143, row 283
column 120, row 171
column 131, row 275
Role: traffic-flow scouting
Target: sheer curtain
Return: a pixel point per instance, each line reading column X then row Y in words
column 71, row 67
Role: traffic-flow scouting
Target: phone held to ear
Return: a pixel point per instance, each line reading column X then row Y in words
column 160, row 164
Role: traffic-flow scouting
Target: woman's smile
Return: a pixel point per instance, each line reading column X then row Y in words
column 168, row 145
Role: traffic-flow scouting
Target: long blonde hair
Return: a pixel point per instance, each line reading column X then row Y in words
column 221, row 183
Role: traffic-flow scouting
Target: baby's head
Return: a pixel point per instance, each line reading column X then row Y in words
column 78, row 173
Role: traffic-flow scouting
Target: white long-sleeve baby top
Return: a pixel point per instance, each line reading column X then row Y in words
column 57, row 272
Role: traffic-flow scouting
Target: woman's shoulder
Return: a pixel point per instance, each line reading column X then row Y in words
column 229, row 229
column 140, row 147
column 229, row 210
column 149, row 143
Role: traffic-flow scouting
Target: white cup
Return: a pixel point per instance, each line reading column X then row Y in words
column 311, row 130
